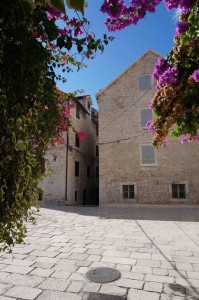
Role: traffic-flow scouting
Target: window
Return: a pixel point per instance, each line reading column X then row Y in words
column 128, row 191
column 145, row 116
column 144, row 82
column 148, row 155
column 178, row 191
column 76, row 168
column 88, row 105
column 76, row 141
column 77, row 112
column 97, row 172
column 97, row 150
column 88, row 171
column 75, row 196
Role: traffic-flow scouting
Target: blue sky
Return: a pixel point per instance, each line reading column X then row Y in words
column 156, row 32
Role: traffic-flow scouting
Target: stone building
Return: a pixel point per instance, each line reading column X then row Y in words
column 131, row 170
column 75, row 179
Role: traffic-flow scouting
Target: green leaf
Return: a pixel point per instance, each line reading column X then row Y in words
column 58, row 4
column 68, row 45
column 3, row 100
column 76, row 4
column 20, row 145
column 79, row 48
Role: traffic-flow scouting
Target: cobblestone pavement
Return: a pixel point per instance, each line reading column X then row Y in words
column 156, row 249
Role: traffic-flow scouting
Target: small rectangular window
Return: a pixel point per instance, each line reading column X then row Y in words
column 145, row 116
column 77, row 112
column 97, row 150
column 88, row 171
column 75, row 196
column 128, row 191
column 97, row 172
column 144, row 82
column 148, row 155
column 76, row 168
column 88, row 105
column 178, row 191
column 76, row 141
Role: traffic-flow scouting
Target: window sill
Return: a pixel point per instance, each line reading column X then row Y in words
column 148, row 165
column 178, row 200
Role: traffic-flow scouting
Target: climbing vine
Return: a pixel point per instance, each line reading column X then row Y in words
column 36, row 40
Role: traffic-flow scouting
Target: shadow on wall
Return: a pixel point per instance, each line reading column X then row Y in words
column 135, row 212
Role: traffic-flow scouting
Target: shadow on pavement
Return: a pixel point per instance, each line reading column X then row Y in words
column 135, row 212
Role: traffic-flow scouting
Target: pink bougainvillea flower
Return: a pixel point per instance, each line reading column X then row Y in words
column 58, row 140
column 81, row 135
column 72, row 105
column 78, row 31
column 184, row 139
column 67, row 113
column 195, row 75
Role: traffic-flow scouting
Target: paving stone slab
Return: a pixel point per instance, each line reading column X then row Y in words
column 24, row 280
column 113, row 290
column 2, row 266
column 22, row 292
column 142, row 295
column 42, row 272
column 92, row 287
column 4, row 287
column 17, row 262
column 17, row 269
column 54, row 284
column 75, row 286
column 61, row 274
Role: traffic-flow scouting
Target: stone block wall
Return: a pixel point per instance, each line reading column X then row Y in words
column 120, row 162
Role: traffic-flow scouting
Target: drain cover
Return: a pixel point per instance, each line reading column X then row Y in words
column 103, row 275
column 96, row 296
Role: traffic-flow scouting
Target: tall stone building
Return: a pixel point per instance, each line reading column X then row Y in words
column 131, row 170
column 75, row 179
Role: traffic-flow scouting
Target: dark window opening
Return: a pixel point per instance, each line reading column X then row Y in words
column 75, row 196
column 97, row 150
column 76, row 168
column 97, row 172
column 88, row 105
column 76, row 141
column 88, row 171
column 128, row 191
column 178, row 191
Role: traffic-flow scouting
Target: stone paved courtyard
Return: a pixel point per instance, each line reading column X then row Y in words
column 156, row 249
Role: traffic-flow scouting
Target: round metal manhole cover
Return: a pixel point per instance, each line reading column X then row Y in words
column 103, row 275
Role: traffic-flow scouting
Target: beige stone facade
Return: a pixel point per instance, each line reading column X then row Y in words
column 131, row 171
column 75, row 178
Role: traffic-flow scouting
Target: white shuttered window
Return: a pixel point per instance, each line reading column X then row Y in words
column 148, row 155
column 144, row 82
column 145, row 116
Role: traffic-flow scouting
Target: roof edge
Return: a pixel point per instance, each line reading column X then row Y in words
column 121, row 74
